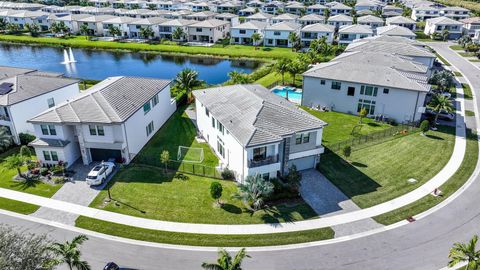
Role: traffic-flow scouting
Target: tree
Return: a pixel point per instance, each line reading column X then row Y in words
column 282, row 67
column 424, row 126
column 3, row 24
column 293, row 178
column 445, row 34
column 296, row 67
column 186, row 80
column 59, row 28
column 253, row 191
column 5, row 138
column 15, row 161
column 85, row 31
column 178, row 34
column 216, row 190
column 439, row 103
column 239, row 77
column 347, row 151
column 164, row 158
column 33, row 28
column 225, row 261
column 256, row 37
column 468, row 253
column 444, row 80
column 321, row 46
column 21, row 250
column 114, row 31
column 294, row 39
column 465, row 40
column 363, row 113
column 70, row 254
column 12, row 28
column 25, row 152
column 147, row 32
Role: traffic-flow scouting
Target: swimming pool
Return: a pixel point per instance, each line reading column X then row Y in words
column 293, row 95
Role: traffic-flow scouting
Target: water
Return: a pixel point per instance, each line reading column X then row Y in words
column 293, row 95
column 97, row 65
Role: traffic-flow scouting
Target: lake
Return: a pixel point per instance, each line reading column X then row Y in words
column 97, row 65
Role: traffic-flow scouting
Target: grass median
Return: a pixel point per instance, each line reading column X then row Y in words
column 17, row 206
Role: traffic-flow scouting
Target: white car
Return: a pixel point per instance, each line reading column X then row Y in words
column 99, row 173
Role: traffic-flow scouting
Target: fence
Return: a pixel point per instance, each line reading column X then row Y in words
column 374, row 137
column 184, row 167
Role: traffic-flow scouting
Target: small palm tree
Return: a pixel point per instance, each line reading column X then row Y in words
column 225, row 261
column 33, row 29
column 468, row 253
column 15, row 161
column 445, row 34
column 85, row 31
column 70, row 254
column 255, row 39
column 146, row 32
column 297, row 67
column 178, row 34
column 282, row 67
column 294, row 40
column 253, row 191
column 5, row 138
column 439, row 103
column 186, row 80
column 3, row 24
column 114, row 31
column 12, row 28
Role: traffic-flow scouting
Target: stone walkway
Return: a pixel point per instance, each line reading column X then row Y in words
column 327, row 200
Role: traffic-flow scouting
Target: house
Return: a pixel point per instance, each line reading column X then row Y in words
column 368, row 5
column 295, row 8
column 349, row 33
column 402, row 21
column 317, row 9
column 197, row 7
column 247, row 11
column 373, row 21
column 397, row 31
column 253, row 131
column 311, row 19
column 261, row 17
column 242, row 33
column 276, row 35
column 340, row 20
column 95, row 24
column 201, row 16
column 455, row 13
column 349, row 87
column 167, row 28
column 470, row 25
column 272, row 7
column 228, row 17
column 476, row 37
column 71, row 21
column 338, row 8
column 316, row 31
column 135, row 27
column 25, row 93
column 285, row 17
column 119, row 22
column 229, row 7
column 209, row 31
column 440, row 24
column 24, row 17
column 423, row 13
column 391, row 11
column 113, row 119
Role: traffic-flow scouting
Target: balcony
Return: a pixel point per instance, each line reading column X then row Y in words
column 253, row 163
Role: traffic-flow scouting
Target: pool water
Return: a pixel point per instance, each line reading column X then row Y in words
column 292, row 94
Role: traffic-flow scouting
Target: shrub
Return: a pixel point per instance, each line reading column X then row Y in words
column 347, row 151
column 43, row 171
column 57, row 169
column 58, row 179
column 216, row 190
column 281, row 191
column 424, row 126
column 228, row 174
column 31, row 166
column 26, row 138
column 293, row 178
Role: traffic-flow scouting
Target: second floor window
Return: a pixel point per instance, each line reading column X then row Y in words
column 336, row 85
column 149, row 128
column 96, row 130
column 147, row 107
column 48, row 130
column 50, row 102
column 155, row 100
column 302, row 138
column 243, row 31
column 220, row 127
column 276, row 33
column 260, row 153
column 207, row 112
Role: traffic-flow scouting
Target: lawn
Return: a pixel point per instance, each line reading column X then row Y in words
column 236, row 51
column 469, row 113
column 443, row 60
column 457, row 47
column 457, row 74
column 146, row 191
column 453, row 184
column 273, row 77
column 340, row 126
column 467, row 91
column 380, row 172
column 204, row 239
column 17, row 206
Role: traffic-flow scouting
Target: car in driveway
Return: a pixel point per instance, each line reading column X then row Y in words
column 99, row 173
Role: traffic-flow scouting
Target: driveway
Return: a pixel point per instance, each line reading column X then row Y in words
column 327, row 200
column 75, row 191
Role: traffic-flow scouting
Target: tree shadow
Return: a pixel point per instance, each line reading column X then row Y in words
column 373, row 124
column 274, row 216
column 118, row 203
column 25, row 184
column 434, row 137
column 233, row 209
column 358, row 164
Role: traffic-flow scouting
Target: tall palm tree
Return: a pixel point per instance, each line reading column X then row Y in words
column 33, row 29
column 294, row 40
column 255, row 39
column 5, row 138
column 296, row 67
column 468, row 253
column 15, row 161
column 439, row 103
column 225, row 261
column 178, row 34
column 85, row 31
column 114, row 31
column 186, row 80
column 146, row 32
column 70, row 254
column 3, row 24
column 282, row 67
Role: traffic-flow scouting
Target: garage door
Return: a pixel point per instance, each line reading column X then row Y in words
column 303, row 163
column 105, row 154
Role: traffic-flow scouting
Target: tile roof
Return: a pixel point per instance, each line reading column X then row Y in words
column 319, row 27
column 395, row 30
column 286, row 26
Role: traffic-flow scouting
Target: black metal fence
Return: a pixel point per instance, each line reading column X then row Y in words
column 374, row 137
column 184, row 167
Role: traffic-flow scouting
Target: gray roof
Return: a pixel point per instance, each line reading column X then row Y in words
column 319, row 27
column 260, row 15
column 251, row 25
column 149, row 21
column 340, row 18
column 369, row 19
column 285, row 26
column 337, row 5
column 399, row 19
column 285, row 16
column 254, row 115
column 395, row 39
column 443, row 21
column 49, row 142
column 395, row 30
column 312, row 17
column 355, row 29
column 6, row 72
column 209, row 23
column 178, row 22
column 389, row 47
column 113, row 100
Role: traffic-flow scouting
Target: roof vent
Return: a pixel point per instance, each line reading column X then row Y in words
column 6, row 88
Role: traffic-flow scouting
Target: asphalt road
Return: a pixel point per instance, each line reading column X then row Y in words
column 423, row 244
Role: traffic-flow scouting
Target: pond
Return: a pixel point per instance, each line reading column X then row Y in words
column 97, row 65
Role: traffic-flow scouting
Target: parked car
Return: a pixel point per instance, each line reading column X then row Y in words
column 111, row 266
column 99, row 173
column 442, row 115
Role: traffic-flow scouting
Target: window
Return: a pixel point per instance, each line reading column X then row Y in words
column 260, row 153
column 48, row 130
column 306, row 137
column 54, row 155
column 51, row 129
column 336, row 85
column 44, row 129
column 242, row 31
column 276, row 33
column 149, row 128
column 220, row 127
column 220, row 148
column 298, row 138
column 146, row 107
column 199, row 29
column 368, row 90
column 322, row 82
column 302, row 138
column 369, row 105
column 213, row 122
column 155, row 100
column 266, row 176
column 386, row 90
column 100, row 131
column 46, row 155
column 207, row 112
column 351, row 91
column 96, row 130
column 50, row 102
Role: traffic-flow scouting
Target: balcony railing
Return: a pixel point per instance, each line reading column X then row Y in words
column 262, row 162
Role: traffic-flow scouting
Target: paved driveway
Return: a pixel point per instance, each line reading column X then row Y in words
column 327, row 200
column 75, row 191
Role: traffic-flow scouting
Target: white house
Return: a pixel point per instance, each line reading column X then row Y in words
column 311, row 19
column 228, row 17
column 349, row 33
column 455, row 13
column 402, row 21
column 167, row 28
column 338, row 8
column 120, row 22
column 470, row 25
column 373, row 21
column 135, row 27
column 317, row 9
column 340, row 20
column 316, row 31
column 242, row 33
column 71, row 21
column 368, row 5
column 285, row 17
column 423, row 13
column 113, row 119
column 276, row 35
column 440, row 24
column 254, row 131
column 261, row 17
column 397, row 31
column 295, row 8
column 95, row 23
column 27, row 92
column 209, row 31
column 247, row 11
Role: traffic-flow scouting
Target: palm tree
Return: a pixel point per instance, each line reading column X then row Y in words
column 445, row 34
column 114, row 31
column 178, row 34
column 85, row 31
column 15, row 161
column 282, row 67
column 146, row 32
column 186, row 80
column 253, row 191
column 321, row 46
column 5, row 138
column 238, row 77
column 439, row 103
column 255, row 39
column 297, row 67
column 465, row 253
column 70, row 254
column 3, row 24
column 12, row 28
column 294, row 40
column 225, row 262
column 33, row 29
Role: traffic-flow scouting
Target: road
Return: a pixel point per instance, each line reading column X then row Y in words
column 423, row 244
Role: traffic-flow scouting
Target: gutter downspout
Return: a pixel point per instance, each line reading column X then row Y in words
column 126, row 140
column 415, row 108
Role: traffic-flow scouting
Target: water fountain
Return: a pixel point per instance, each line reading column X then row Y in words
column 68, row 57
column 70, row 54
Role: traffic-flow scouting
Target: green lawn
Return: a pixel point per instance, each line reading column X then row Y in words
column 276, row 77
column 236, row 51
column 469, row 113
column 452, row 185
column 457, row 47
column 380, row 172
column 467, row 91
column 340, row 125
column 17, row 206
column 204, row 239
column 443, row 60
column 474, row 60
column 163, row 197
column 466, row 54
column 457, row 74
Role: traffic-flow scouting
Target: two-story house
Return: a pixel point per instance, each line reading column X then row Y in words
column 209, row 31
column 423, row 13
column 95, row 24
column 349, row 33
column 167, row 28
column 402, row 21
column 135, row 27
column 396, row 31
column 338, row 8
column 373, row 21
column 340, row 21
column 470, row 25
column 253, row 131
column 316, row 31
column 311, row 19
column 276, row 35
column 285, row 17
column 261, row 17
column 316, row 9
column 113, row 119
column 242, row 33
column 119, row 22
column 455, row 13
column 440, row 24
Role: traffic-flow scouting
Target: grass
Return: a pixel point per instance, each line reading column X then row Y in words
column 17, row 206
column 273, row 77
column 340, row 125
column 147, row 192
column 474, row 60
column 443, row 60
column 204, row 239
column 234, row 51
column 469, row 113
column 467, row 91
column 380, row 172
column 448, row 188
column 457, row 74
column 456, row 47
column 466, row 54
column 472, row 5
